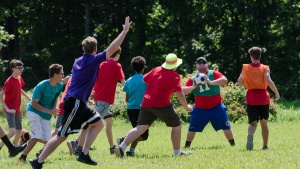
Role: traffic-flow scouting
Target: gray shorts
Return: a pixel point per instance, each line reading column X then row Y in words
column 14, row 120
column 103, row 109
column 58, row 120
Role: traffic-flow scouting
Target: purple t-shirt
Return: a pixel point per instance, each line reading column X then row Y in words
column 84, row 74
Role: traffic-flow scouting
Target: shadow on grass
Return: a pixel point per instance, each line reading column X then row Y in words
column 152, row 156
column 215, row 147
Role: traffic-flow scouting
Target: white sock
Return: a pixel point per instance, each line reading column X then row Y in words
column 123, row 146
column 177, row 152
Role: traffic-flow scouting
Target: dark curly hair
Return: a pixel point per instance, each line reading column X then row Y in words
column 138, row 63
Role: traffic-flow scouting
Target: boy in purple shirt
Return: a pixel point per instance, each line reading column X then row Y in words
column 77, row 112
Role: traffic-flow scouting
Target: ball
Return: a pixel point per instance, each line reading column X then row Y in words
column 199, row 78
column 25, row 136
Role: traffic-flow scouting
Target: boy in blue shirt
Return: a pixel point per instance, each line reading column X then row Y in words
column 135, row 89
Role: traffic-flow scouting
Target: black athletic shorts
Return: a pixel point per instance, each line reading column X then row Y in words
column 257, row 112
column 77, row 115
column 133, row 115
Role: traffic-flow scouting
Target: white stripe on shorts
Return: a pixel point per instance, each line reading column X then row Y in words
column 70, row 118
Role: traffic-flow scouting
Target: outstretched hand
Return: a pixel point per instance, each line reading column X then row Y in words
column 127, row 24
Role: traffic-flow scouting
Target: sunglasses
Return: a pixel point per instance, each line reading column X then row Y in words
column 201, row 62
column 20, row 68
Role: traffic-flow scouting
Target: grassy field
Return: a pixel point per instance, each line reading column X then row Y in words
column 210, row 150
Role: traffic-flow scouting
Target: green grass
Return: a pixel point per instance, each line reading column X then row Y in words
column 210, row 150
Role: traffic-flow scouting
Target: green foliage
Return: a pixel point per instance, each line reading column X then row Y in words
column 233, row 96
column 4, row 37
column 120, row 105
column 222, row 31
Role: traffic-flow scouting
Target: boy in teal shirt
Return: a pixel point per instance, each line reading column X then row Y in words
column 42, row 107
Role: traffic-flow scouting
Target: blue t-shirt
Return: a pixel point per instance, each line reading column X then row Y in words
column 46, row 94
column 135, row 88
column 84, row 74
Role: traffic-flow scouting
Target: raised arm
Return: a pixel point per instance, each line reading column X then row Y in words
column 119, row 40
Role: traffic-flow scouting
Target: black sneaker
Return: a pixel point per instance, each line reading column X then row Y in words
column 77, row 152
column 112, row 150
column 120, row 140
column 265, row 148
column 86, row 159
column 16, row 150
column 119, row 152
column 22, row 159
column 38, row 153
column 129, row 154
column 35, row 164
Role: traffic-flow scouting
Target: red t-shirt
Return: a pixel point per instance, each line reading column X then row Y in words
column 110, row 72
column 12, row 88
column 161, row 84
column 61, row 102
column 207, row 102
column 257, row 96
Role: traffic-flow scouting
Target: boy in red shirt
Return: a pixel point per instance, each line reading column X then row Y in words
column 110, row 72
column 12, row 90
column 256, row 78
column 162, row 82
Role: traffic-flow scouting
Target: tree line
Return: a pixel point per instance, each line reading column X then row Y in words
column 51, row 31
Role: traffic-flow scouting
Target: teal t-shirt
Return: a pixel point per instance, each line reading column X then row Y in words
column 46, row 94
column 135, row 88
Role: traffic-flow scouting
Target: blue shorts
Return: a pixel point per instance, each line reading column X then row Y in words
column 216, row 115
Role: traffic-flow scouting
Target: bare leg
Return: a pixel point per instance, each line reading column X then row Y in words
column 2, row 133
column 17, row 137
column 264, row 131
column 91, row 135
column 190, row 136
column 109, row 122
column 81, row 138
column 252, row 127
column 54, row 132
column 176, row 137
column 228, row 134
column 135, row 142
column 52, row 144
column 31, row 143
column 9, row 135
column 134, row 133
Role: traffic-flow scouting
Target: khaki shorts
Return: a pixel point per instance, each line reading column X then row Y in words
column 39, row 127
column 167, row 114
column 103, row 109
